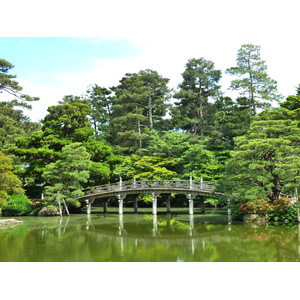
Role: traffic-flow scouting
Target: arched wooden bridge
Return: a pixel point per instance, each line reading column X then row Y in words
column 190, row 188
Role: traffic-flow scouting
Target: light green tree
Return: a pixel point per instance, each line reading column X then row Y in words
column 153, row 168
column 9, row 182
column 65, row 177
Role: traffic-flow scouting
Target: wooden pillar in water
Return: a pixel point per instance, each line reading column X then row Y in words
column 154, row 203
column 89, row 205
column 89, row 208
column 191, row 203
column 120, row 199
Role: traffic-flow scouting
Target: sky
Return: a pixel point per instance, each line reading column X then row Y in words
column 62, row 47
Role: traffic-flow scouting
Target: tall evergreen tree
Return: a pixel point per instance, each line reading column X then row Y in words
column 199, row 85
column 99, row 100
column 138, row 106
column 253, row 82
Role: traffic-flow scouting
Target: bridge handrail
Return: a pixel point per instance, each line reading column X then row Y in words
column 144, row 184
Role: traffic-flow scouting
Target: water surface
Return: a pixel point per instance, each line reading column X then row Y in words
column 146, row 238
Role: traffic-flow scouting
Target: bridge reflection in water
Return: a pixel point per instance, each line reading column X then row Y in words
column 188, row 234
column 190, row 188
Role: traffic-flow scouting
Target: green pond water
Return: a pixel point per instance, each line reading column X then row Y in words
column 146, row 238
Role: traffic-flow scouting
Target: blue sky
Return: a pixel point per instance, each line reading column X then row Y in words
column 63, row 47
column 44, row 56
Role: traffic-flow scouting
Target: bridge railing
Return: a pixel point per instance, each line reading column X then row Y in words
column 151, row 184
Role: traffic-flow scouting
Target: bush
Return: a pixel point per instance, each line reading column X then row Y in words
column 280, row 210
column 284, row 210
column 258, row 206
column 18, row 205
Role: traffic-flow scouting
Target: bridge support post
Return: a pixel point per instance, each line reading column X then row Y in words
column 168, row 204
column 105, row 206
column 154, row 203
column 191, row 203
column 120, row 199
column 89, row 205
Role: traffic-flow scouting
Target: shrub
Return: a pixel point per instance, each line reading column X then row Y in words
column 281, row 205
column 283, row 210
column 18, row 205
column 257, row 206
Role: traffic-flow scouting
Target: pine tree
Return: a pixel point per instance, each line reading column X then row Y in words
column 66, row 176
column 266, row 161
column 199, row 85
column 138, row 107
column 8, row 83
column 253, row 82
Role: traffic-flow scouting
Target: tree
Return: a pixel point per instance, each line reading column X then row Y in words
column 230, row 119
column 14, row 124
column 266, row 161
column 153, row 168
column 33, row 154
column 254, row 82
column 167, row 144
column 66, row 123
column 298, row 90
column 138, row 107
column 66, row 176
column 9, row 85
column 201, row 163
column 99, row 100
column 9, row 182
column 200, row 83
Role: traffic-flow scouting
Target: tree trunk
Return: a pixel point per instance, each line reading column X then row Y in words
column 140, row 134
column 251, row 94
column 276, row 190
column 150, row 113
column 200, row 112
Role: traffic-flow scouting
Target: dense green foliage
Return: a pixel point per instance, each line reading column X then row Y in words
column 9, row 182
column 144, row 129
column 18, row 205
column 64, row 177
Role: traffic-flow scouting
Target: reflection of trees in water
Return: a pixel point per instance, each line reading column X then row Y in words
column 145, row 238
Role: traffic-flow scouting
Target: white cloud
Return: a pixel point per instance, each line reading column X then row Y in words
column 169, row 33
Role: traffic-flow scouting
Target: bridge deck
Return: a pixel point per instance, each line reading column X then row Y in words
column 203, row 188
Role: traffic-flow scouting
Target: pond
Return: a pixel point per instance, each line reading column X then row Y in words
column 142, row 237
